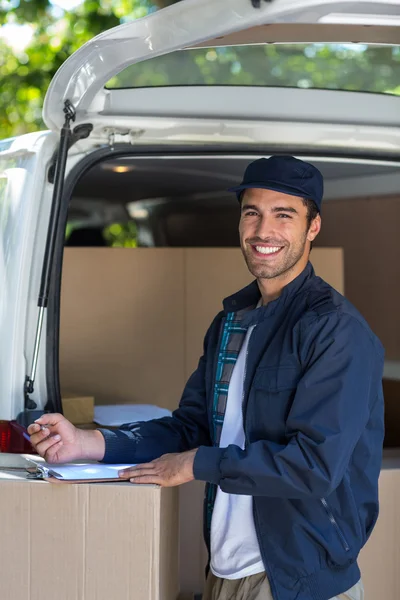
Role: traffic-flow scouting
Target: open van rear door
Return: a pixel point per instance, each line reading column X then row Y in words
column 77, row 96
column 190, row 23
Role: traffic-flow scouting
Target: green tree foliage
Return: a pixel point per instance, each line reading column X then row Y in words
column 121, row 235
column 25, row 75
column 116, row 235
column 328, row 66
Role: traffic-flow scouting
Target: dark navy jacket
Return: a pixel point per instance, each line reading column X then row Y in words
column 313, row 420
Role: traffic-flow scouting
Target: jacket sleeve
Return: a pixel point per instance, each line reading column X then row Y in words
column 186, row 429
column 342, row 374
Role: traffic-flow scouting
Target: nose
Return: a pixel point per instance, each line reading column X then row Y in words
column 265, row 226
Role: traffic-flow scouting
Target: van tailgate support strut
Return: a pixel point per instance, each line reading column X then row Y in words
column 65, row 136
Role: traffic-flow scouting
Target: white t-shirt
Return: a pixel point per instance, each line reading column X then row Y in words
column 235, row 552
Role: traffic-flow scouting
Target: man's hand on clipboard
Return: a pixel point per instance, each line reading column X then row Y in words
column 58, row 441
column 167, row 471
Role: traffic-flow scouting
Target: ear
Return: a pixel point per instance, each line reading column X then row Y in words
column 315, row 228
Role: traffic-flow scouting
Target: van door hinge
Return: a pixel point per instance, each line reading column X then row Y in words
column 111, row 132
column 114, row 133
column 61, row 161
column 257, row 3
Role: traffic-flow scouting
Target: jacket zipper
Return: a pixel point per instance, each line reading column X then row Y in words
column 335, row 524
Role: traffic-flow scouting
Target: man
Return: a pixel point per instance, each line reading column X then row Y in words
column 283, row 417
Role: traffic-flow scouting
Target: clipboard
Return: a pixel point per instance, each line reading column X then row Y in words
column 77, row 472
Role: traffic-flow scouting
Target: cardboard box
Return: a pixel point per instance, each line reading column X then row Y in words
column 380, row 558
column 111, row 342
column 78, row 409
column 87, row 541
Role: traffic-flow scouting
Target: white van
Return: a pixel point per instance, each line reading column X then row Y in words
column 156, row 159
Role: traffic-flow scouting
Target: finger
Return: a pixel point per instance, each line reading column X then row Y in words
column 43, row 446
column 50, row 419
column 34, row 428
column 37, row 433
column 127, row 473
column 43, row 432
column 149, row 479
column 52, row 452
column 149, row 465
column 136, row 468
column 41, row 435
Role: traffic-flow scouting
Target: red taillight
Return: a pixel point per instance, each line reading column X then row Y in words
column 5, row 436
column 14, row 438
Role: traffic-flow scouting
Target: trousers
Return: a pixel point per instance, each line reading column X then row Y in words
column 256, row 587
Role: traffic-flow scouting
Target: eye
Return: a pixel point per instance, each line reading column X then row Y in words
column 250, row 213
column 283, row 216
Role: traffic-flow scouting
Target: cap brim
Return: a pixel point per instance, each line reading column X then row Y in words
column 275, row 188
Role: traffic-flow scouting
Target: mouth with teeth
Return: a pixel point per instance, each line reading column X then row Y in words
column 266, row 251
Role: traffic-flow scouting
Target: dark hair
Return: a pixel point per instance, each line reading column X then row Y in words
column 312, row 210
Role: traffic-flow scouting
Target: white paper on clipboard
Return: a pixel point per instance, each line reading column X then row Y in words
column 80, row 472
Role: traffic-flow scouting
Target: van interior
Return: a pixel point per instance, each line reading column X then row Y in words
column 151, row 249
column 153, row 204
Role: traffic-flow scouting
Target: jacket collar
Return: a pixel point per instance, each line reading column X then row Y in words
column 247, row 298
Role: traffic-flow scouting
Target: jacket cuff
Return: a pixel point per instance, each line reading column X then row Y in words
column 206, row 464
column 120, row 446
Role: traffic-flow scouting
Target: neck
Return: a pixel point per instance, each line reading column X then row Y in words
column 271, row 289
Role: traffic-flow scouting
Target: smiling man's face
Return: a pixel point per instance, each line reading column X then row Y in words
column 275, row 235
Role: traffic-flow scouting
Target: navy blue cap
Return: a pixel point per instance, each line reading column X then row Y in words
column 284, row 174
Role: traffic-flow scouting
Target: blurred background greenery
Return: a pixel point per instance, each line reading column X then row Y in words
column 37, row 36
